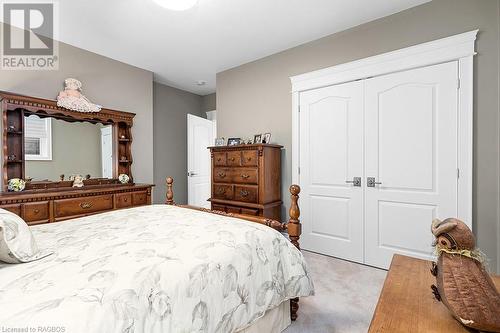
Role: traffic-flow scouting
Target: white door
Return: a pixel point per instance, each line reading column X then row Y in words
column 200, row 136
column 107, row 151
column 411, row 152
column 331, row 155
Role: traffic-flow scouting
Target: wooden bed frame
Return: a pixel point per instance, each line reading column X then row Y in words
column 293, row 226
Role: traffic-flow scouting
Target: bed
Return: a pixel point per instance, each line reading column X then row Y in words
column 160, row 268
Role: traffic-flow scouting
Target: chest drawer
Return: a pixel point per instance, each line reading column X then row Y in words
column 224, row 192
column 219, row 158
column 139, row 198
column 245, row 193
column 245, row 176
column 222, row 175
column 36, row 212
column 250, row 158
column 233, row 158
column 123, row 200
column 80, row 206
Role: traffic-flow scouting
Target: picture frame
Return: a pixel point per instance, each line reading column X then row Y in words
column 266, row 138
column 220, row 142
column 257, row 138
column 233, row 141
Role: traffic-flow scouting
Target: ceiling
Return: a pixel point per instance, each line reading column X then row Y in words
column 184, row 47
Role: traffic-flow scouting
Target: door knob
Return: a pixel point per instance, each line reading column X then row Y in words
column 356, row 181
column 370, row 182
column 191, row 174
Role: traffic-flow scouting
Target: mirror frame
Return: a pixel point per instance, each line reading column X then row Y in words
column 14, row 107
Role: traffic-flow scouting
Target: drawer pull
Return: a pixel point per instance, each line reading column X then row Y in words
column 244, row 193
column 221, row 191
column 245, row 176
column 249, row 159
column 36, row 211
column 232, row 159
column 85, row 205
column 218, row 159
column 125, row 199
column 221, row 174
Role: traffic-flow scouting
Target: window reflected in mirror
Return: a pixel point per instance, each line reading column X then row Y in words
column 54, row 147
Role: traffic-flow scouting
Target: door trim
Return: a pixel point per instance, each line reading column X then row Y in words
column 459, row 48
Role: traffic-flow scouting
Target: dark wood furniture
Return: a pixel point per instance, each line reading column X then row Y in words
column 45, row 206
column 407, row 304
column 15, row 107
column 293, row 226
column 52, row 201
column 246, row 179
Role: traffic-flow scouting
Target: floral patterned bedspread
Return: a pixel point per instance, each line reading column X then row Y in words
column 152, row 269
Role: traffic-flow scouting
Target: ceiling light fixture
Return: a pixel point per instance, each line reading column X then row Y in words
column 201, row 82
column 177, row 4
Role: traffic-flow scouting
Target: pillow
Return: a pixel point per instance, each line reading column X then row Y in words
column 17, row 244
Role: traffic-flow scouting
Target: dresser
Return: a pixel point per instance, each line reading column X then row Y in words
column 246, row 179
column 38, row 207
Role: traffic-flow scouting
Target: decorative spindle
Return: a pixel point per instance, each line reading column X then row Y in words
column 170, row 192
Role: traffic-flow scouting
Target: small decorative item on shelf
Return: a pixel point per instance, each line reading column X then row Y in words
column 77, row 181
column 233, row 141
column 123, row 158
column 250, row 141
column 123, row 178
column 266, row 138
column 87, row 177
column 257, row 138
column 61, row 177
column 71, row 98
column 28, row 180
column 16, row 185
column 11, row 157
column 220, row 141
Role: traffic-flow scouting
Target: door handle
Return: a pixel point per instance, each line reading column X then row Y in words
column 356, row 181
column 370, row 182
column 191, row 174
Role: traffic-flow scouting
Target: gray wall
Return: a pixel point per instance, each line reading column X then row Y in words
column 76, row 150
column 255, row 97
column 208, row 103
column 107, row 82
column 171, row 107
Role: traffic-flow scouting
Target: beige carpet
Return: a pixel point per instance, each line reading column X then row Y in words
column 346, row 296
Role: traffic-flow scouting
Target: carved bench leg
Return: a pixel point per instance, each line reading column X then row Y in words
column 294, row 232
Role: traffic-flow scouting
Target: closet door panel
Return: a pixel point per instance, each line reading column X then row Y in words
column 331, row 153
column 411, row 153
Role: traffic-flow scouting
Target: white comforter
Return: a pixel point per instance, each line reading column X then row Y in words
column 152, row 269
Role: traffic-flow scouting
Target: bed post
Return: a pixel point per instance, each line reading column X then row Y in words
column 294, row 232
column 170, row 192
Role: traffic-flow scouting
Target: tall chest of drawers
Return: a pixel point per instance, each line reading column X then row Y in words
column 246, row 179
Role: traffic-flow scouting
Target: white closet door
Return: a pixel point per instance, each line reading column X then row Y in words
column 331, row 153
column 411, row 150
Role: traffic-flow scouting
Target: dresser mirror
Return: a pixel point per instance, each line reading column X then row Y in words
column 55, row 149
column 47, row 146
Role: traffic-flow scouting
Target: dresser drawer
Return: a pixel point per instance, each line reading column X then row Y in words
column 250, row 158
column 36, row 211
column 219, row 208
column 139, row 198
column 224, row 192
column 80, row 206
column 123, row 200
column 222, row 175
column 245, row 193
column 233, row 158
column 16, row 209
column 233, row 210
column 244, row 176
column 219, row 159
column 250, row 211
